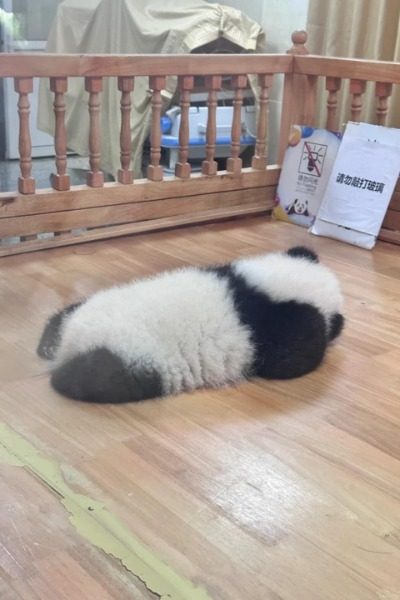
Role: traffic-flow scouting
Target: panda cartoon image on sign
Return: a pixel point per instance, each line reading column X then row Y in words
column 298, row 207
column 271, row 316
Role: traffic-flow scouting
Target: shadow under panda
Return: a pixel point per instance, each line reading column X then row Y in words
column 269, row 316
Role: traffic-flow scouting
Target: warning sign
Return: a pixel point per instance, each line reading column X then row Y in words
column 312, row 158
column 305, row 172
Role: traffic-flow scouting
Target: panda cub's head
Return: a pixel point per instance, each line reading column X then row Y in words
column 297, row 276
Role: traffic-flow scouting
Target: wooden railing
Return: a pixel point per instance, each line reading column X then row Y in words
column 103, row 210
column 100, row 209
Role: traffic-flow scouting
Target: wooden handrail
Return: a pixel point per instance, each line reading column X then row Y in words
column 126, row 65
column 347, row 68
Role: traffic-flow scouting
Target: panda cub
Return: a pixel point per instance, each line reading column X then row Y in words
column 268, row 316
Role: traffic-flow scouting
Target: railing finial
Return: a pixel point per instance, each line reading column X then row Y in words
column 299, row 39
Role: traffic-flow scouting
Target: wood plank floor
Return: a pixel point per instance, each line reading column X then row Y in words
column 272, row 490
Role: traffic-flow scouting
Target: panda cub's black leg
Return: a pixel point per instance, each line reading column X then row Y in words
column 51, row 335
column 303, row 252
column 101, row 376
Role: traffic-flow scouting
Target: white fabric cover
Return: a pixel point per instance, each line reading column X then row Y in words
column 132, row 27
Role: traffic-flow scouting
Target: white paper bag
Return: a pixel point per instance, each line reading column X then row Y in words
column 361, row 184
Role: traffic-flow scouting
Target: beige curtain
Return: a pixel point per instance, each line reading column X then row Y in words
column 356, row 29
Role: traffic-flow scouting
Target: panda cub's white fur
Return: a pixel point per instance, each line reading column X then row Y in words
column 268, row 316
column 185, row 327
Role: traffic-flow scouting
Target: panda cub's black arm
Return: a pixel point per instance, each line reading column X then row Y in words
column 51, row 335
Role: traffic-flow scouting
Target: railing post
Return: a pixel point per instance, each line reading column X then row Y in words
column 95, row 177
column 259, row 160
column 299, row 95
column 182, row 167
column 125, row 86
column 357, row 89
column 332, row 85
column 234, row 162
column 155, row 170
column 26, row 183
column 60, row 180
column 209, row 165
column 383, row 91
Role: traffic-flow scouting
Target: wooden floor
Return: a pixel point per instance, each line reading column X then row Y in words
column 273, row 490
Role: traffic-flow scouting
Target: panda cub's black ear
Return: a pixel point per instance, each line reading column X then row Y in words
column 303, row 252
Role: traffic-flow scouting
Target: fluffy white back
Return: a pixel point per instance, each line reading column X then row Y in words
column 285, row 278
column 183, row 323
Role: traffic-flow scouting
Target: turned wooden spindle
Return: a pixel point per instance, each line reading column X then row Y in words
column 357, row 89
column 94, row 85
column 234, row 163
column 259, row 160
column 209, row 166
column 382, row 92
column 26, row 183
column 125, row 86
column 182, row 167
column 332, row 85
column 155, row 170
column 60, row 180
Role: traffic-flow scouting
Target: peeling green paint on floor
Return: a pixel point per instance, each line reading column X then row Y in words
column 95, row 523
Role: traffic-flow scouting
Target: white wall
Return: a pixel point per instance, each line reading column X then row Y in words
column 279, row 19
